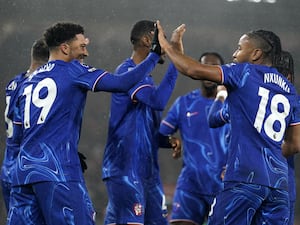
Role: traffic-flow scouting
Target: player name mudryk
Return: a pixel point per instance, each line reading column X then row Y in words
column 276, row 79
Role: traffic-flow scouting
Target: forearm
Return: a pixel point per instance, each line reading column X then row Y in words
column 192, row 68
column 157, row 98
column 123, row 82
column 185, row 64
column 214, row 117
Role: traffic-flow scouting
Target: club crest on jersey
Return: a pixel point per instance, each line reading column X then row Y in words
column 138, row 209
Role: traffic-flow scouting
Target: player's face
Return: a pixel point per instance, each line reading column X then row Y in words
column 244, row 51
column 78, row 47
column 210, row 60
column 86, row 53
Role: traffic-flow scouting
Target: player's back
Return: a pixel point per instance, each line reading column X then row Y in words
column 51, row 105
column 261, row 104
column 12, row 148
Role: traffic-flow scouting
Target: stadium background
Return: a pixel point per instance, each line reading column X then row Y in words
column 212, row 25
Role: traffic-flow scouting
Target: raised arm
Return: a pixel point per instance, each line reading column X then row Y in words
column 158, row 97
column 123, row 82
column 186, row 65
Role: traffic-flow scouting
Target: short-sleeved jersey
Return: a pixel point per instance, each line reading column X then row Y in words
column 51, row 103
column 12, row 148
column 132, row 142
column 262, row 104
column 204, row 148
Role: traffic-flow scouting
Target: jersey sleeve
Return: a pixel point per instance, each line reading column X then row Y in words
column 218, row 114
column 11, row 92
column 169, row 124
column 123, row 82
column 235, row 75
column 156, row 97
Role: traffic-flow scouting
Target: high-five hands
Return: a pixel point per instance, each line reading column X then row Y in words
column 176, row 39
column 155, row 46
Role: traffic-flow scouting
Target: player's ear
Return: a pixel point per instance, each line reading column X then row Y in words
column 147, row 40
column 256, row 54
column 64, row 48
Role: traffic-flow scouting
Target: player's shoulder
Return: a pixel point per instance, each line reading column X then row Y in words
column 13, row 84
column 194, row 94
column 75, row 67
column 125, row 66
column 237, row 66
column 190, row 96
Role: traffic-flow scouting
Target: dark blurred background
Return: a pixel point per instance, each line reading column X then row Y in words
column 212, row 25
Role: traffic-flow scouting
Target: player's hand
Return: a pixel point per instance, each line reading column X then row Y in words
column 223, row 173
column 176, row 39
column 155, row 46
column 162, row 37
column 221, row 93
column 176, row 146
column 82, row 159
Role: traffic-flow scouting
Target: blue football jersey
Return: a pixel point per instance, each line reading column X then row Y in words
column 12, row 148
column 258, row 123
column 204, row 148
column 132, row 143
column 51, row 104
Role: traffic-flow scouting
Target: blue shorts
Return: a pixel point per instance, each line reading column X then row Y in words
column 190, row 207
column 242, row 203
column 135, row 201
column 51, row 203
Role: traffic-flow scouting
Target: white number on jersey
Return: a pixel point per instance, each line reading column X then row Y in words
column 267, row 123
column 33, row 97
column 9, row 129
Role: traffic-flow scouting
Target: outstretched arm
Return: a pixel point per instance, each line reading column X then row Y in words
column 123, row 82
column 158, row 97
column 185, row 64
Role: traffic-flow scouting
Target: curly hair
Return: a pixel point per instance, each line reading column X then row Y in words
column 61, row 32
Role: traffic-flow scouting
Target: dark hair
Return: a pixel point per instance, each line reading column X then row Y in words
column 285, row 65
column 40, row 50
column 214, row 54
column 61, row 32
column 268, row 42
column 140, row 29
